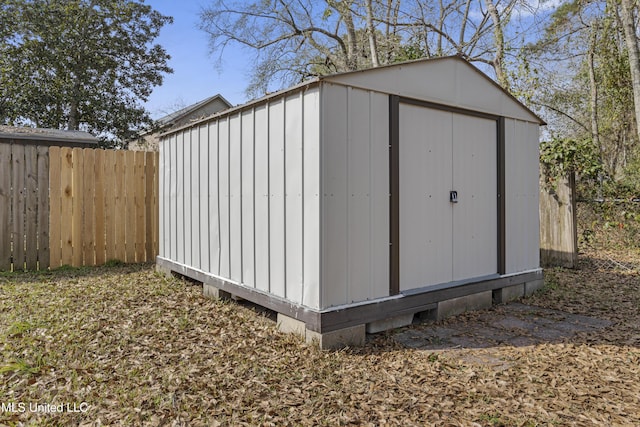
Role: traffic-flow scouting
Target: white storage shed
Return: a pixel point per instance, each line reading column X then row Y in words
column 351, row 202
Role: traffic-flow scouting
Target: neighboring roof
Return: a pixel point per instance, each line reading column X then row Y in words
column 444, row 92
column 169, row 119
column 48, row 136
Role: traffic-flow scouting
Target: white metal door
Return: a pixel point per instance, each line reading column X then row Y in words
column 425, row 165
column 475, row 216
column 440, row 152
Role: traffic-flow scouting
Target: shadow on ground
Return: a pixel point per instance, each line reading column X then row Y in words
column 512, row 324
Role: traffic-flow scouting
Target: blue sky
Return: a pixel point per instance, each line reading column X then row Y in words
column 195, row 75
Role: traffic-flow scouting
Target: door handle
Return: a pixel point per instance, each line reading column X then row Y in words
column 453, row 196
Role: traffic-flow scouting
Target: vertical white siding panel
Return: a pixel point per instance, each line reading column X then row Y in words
column 293, row 196
column 532, row 241
column 248, row 196
column 173, row 198
column 204, row 232
column 311, row 196
column 334, row 189
column 475, row 224
column 514, row 208
column 261, row 130
column 223, row 185
column 522, row 219
column 425, row 182
column 379, row 201
column 188, row 193
column 180, row 218
column 276, row 200
column 214, row 199
column 195, row 197
column 162, row 198
column 235, row 199
column 359, row 194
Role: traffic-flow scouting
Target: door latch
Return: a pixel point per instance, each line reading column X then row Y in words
column 453, row 196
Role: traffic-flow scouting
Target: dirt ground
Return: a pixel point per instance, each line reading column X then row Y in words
column 122, row 345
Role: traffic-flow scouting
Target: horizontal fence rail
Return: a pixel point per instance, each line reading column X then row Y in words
column 76, row 206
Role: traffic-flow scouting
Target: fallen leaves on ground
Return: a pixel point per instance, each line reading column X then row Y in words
column 142, row 349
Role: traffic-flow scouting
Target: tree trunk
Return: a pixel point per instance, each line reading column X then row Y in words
column 440, row 30
column 631, row 39
column 352, row 42
column 73, row 122
column 498, row 35
column 593, row 90
column 373, row 46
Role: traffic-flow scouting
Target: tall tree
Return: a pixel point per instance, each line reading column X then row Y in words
column 80, row 64
column 631, row 37
column 586, row 87
column 295, row 39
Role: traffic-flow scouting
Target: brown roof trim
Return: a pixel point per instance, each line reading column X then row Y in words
column 244, row 107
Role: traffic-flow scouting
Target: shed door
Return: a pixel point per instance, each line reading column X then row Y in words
column 439, row 152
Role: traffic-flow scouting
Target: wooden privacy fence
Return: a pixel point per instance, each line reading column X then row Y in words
column 24, row 205
column 76, row 206
column 558, row 223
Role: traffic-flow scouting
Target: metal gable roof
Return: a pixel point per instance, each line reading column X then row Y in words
column 356, row 78
column 449, row 80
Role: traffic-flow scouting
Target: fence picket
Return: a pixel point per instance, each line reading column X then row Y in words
column 18, row 201
column 130, row 220
column 88, row 220
column 43, row 207
column 5, row 207
column 55, row 207
column 66, row 205
column 31, row 206
column 110, row 204
column 120, row 203
column 99, row 208
column 77, row 207
column 138, row 186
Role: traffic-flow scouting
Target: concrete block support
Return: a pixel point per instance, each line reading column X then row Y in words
column 391, row 323
column 455, row 306
column 289, row 325
column 531, row 287
column 353, row 336
column 163, row 269
column 212, row 292
column 509, row 293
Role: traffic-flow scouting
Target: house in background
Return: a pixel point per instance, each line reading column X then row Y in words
column 148, row 139
column 47, row 137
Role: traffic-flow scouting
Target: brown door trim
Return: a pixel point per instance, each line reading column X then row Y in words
column 501, row 197
column 394, row 182
column 394, row 194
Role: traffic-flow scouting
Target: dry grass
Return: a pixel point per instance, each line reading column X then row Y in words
column 141, row 349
